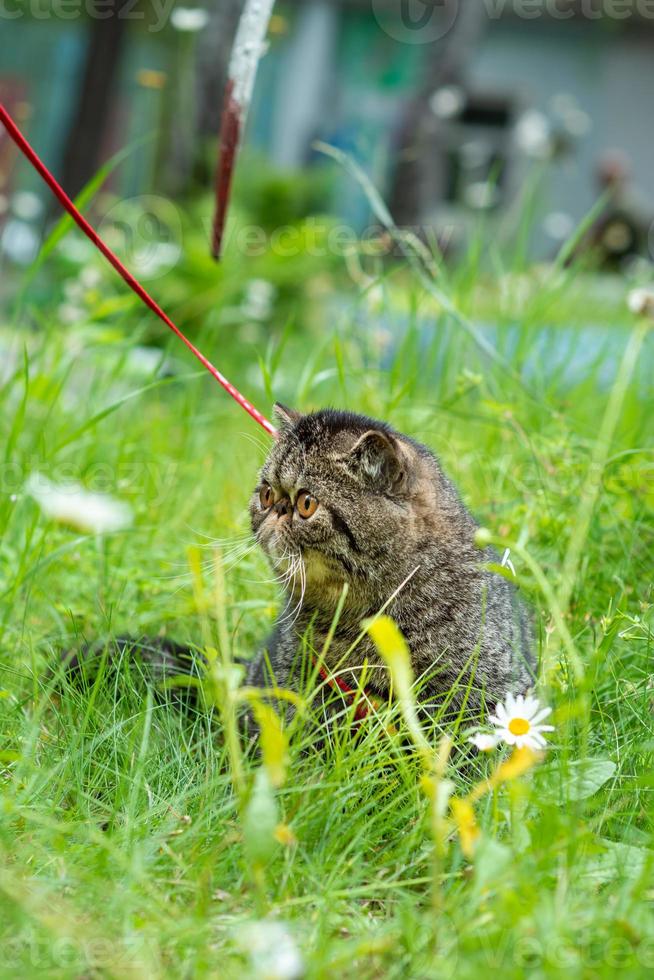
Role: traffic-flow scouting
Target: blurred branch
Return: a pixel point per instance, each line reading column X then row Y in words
column 246, row 53
column 214, row 49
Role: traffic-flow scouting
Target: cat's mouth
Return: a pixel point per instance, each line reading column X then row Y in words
column 320, row 566
column 277, row 544
column 324, row 568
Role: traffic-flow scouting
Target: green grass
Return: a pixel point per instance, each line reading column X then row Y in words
column 131, row 842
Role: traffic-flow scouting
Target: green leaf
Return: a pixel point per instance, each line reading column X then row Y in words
column 617, row 861
column 579, row 780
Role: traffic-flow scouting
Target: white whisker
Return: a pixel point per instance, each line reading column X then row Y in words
column 291, row 615
column 262, row 446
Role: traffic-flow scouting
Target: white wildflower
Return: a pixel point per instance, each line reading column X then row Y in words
column 26, row 205
column 484, row 742
column 518, row 722
column 70, row 313
column 189, row 19
column 533, row 134
column 273, row 952
column 259, row 299
column 90, row 277
column 641, row 302
column 71, row 504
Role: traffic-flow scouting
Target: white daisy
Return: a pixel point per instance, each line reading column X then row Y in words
column 518, row 722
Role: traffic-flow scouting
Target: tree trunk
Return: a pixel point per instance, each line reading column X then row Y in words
column 90, row 117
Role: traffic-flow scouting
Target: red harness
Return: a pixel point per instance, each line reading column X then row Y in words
column 362, row 707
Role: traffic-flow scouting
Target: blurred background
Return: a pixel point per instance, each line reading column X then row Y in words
column 457, row 110
column 501, row 133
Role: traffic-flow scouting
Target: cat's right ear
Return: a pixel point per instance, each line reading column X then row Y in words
column 285, row 418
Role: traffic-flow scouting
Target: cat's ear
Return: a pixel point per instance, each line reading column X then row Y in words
column 379, row 458
column 285, row 418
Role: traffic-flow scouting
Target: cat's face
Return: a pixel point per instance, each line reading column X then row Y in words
column 339, row 491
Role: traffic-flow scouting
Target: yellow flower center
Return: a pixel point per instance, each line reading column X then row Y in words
column 519, row 726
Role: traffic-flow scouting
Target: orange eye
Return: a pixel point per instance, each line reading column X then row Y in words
column 306, row 504
column 266, row 497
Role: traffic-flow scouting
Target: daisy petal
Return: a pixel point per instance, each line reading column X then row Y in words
column 484, row 742
column 531, row 706
column 501, row 713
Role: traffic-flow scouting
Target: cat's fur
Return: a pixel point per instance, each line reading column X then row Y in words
column 392, row 527
column 388, row 523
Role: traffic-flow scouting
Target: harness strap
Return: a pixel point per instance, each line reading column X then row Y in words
column 361, row 708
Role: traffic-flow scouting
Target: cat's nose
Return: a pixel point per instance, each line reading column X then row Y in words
column 283, row 507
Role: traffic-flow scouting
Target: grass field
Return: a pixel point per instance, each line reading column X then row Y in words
column 137, row 841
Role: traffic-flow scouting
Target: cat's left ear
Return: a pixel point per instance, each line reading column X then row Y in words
column 379, row 458
column 285, row 418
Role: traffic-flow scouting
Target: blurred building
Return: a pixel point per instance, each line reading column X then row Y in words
column 514, row 93
column 450, row 123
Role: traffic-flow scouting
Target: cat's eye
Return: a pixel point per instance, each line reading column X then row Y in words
column 306, row 504
column 266, row 497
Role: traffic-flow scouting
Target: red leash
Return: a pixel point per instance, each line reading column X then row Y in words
column 134, row 285
column 362, row 709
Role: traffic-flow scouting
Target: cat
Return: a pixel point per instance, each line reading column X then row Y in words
column 356, row 518
column 345, row 500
